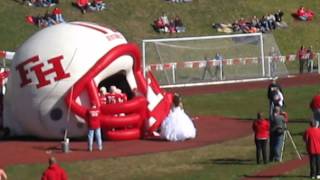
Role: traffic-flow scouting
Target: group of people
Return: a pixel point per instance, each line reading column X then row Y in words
column 271, row 130
column 265, row 24
column 40, row 3
column 48, row 19
column 305, row 57
column 94, row 127
column 304, row 14
column 173, row 25
column 218, row 70
column 86, row 5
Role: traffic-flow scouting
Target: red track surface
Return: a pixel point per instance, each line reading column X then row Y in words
column 210, row 130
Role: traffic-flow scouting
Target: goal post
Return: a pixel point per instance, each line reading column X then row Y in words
column 192, row 61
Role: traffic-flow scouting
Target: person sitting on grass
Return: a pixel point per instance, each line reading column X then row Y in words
column 57, row 14
column 83, row 5
column 97, row 5
column 304, row 14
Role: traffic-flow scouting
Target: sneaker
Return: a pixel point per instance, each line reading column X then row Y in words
column 90, row 149
column 317, row 177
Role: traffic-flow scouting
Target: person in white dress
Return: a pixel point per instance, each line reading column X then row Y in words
column 178, row 126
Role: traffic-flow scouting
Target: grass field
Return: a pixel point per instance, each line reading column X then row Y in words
column 228, row 160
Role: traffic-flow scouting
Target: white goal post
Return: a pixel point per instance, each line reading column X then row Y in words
column 193, row 61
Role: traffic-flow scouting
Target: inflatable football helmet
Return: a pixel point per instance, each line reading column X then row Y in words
column 55, row 77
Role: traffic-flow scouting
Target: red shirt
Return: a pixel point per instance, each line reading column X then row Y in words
column 312, row 139
column 94, row 121
column 261, row 128
column 54, row 172
column 56, row 11
column 82, row 2
column 315, row 103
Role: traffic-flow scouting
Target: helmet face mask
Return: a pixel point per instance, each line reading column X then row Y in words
column 67, row 62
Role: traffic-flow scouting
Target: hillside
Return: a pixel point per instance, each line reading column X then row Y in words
column 134, row 17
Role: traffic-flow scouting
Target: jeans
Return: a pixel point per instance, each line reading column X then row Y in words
column 97, row 133
column 276, row 143
column 314, row 160
column 261, row 148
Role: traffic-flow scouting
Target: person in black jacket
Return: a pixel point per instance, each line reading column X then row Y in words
column 272, row 88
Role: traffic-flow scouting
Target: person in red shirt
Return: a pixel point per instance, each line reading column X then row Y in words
column 315, row 107
column 54, row 171
column 261, row 128
column 301, row 54
column 94, row 128
column 83, row 5
column 312, row 140
column 57, row 13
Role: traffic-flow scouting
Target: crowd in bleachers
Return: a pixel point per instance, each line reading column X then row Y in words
column 265, row 24
column 172, row 25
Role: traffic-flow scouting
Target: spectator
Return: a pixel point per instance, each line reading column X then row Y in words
column 97, row 5
column 304, row 14
column 54, row 171
column 57, row 14
column 302, row 57
column 94, row 128
column 219, row 72
column 83, row 5
column 278, row 16
column 261, row 128
column 312, row 139
column 310, row 56
column 179, row 25
column 277, row 134
column 315, row 107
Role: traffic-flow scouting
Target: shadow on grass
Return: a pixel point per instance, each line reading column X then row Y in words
column 228, row 161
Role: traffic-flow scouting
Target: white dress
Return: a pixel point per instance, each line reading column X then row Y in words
column 177, row 126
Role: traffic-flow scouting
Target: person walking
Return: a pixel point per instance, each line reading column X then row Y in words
column 94, row 128
column 261, row 128
column 54, row 171
column 312, row 139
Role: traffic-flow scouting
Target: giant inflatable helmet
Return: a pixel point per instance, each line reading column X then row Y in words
column 55, row 76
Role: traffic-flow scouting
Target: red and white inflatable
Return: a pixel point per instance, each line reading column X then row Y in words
column 55, row 77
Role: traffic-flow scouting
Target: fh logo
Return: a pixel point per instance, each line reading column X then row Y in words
column 31, row 64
